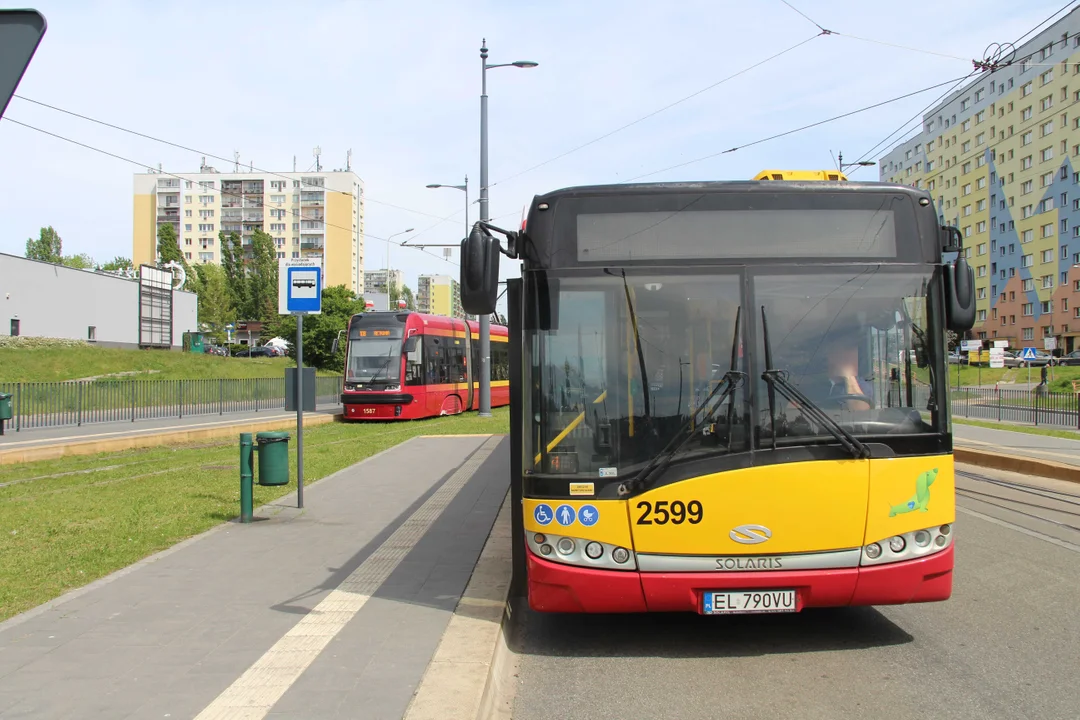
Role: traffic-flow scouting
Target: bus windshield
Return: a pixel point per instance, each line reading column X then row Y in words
column 374, row 360
column 848, row 338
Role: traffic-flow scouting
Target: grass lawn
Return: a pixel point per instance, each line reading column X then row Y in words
column 67, row 522
column 52, row 364
column 970, row 376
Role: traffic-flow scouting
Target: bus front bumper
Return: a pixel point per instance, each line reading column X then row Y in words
column 559, row 588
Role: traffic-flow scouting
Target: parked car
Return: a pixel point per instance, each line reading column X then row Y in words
column 958, row 358
column 1041, row 358
column 255, row 352
column 1072, row 358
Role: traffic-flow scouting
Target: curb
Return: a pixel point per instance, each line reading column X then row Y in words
column 1017, row 464
column 462, row 680
column 14, row 456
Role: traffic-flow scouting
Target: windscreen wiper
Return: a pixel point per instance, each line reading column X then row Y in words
column 389, row 357
column 640, row 352
column 725, row 389
column 777, row 380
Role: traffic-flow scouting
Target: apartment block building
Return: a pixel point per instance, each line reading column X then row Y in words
column 998, row 158
column 375, row 280
column 439, row 295
column 309, row 215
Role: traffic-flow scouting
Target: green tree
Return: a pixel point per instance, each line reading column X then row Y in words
column 338, row 305
column 168, row 246
column 47, row 248
column 262, row 277
column 407, row 295
column 80, row 262
column 216, row 308
column 119, row 265
column 232, row 263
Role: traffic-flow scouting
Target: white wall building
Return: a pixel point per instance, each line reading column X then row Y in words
column 39, row 299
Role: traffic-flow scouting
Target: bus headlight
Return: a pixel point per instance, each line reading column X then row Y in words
column 581, row 552
column 908, row 546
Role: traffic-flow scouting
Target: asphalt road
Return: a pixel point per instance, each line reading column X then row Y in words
column 1006, row 645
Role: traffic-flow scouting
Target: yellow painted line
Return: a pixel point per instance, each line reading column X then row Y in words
column 253, row 695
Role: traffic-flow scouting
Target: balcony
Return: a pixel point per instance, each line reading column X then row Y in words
column 311, row 246
column 253, row 216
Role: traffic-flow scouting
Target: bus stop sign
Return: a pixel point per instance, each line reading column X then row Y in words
column 20, row 34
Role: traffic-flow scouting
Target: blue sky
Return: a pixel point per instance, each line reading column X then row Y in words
column 398, row 83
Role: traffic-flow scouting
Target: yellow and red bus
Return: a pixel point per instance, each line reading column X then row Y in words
column 729, row 397
column 408, row 365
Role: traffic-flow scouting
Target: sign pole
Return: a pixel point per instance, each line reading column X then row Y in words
column 299, row 294
column 300, row 410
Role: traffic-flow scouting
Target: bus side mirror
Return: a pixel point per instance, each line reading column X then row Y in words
column 479, row 272
column 959, row 295
column 410, row 346
column 334, row 347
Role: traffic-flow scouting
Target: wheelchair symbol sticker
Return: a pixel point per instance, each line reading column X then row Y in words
column 542, row 514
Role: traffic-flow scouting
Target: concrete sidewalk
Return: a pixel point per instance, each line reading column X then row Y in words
column 333, row 611
column 92, row 431
column 1039, row 447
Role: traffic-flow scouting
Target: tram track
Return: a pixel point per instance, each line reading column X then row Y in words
column 1044, row 504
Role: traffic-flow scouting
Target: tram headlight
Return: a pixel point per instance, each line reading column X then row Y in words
column 620, row 555
column 539, row 538
column 545, row 550
column 940, row 540
column 565, row 546
column 945, row 529
column 873, row 551
column 594, row 550
column 897, row 544
column 922, row 538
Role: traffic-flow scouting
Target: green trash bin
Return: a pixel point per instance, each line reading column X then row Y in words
column 273, row 448
column 5, row 410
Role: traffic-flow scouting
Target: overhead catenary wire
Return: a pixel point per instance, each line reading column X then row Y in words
column 793, row 131
column 808, row 18
column 658, row 111
column 920, row 114
column 179, row 146
column 294, row 213
column 904, row 127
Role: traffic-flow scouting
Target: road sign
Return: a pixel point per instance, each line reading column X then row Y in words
column 542, row 514
column 299, row 286
column 1050, row 343
column 1028, row 353
column 565, row 515
column 588, row 515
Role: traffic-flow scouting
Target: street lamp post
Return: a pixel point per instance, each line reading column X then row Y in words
column 485, row 320
column 860, row 163
column 388, row 263
column 465, row 189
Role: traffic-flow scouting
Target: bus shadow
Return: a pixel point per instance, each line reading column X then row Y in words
column 686, row 635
